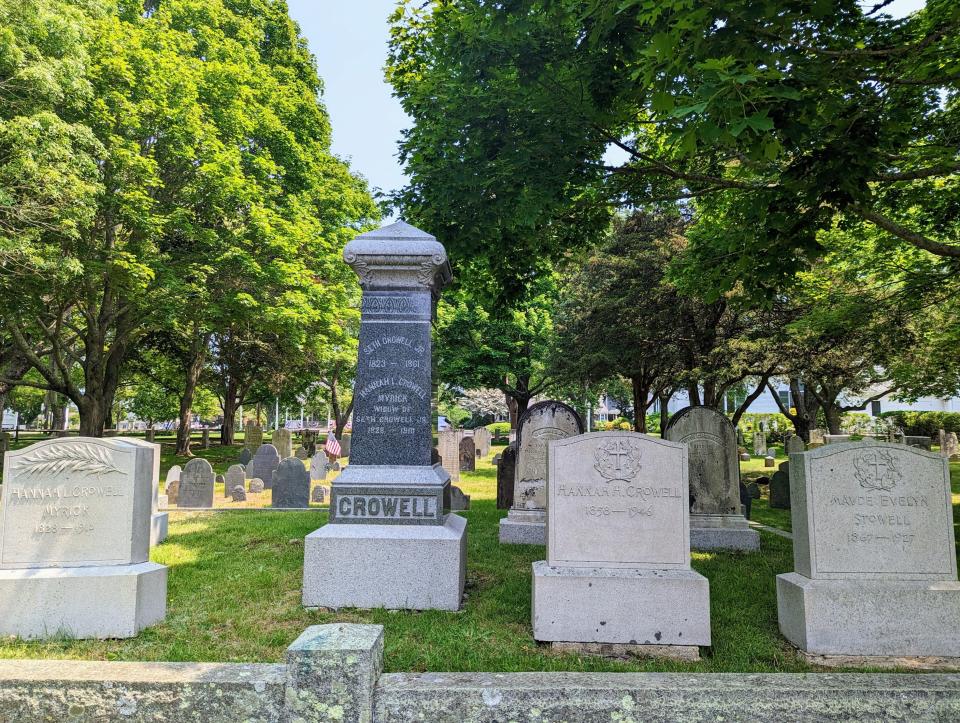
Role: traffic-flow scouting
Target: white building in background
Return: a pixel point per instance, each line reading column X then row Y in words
column 9, row 419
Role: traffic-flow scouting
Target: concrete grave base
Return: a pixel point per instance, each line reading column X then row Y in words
column 870, row 617
column 688, row 653
column 524, row 527
column 893, row 662
column 159, row 524
column 722, row 532
column 116, row 601
column 399, row 567
column 620, row 605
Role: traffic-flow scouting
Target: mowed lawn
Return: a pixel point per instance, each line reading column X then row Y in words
column 234, row 595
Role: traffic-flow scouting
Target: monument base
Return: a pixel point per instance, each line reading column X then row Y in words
column 620, row 605
column 626, row 651
column 399, row 567
column 722, row 532
column 159, row 524
column 870, row 617
column 115, row 601
column 524, row 527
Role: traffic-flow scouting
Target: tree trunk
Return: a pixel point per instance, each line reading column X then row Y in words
column 230, row 404
column 198, row 355
column 512, row 410
column 693, row 394
column 641, row 393
column 833, row 414
column 664, row 401
column 92, row 413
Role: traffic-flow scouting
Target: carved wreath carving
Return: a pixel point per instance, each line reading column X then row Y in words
column 87, row 458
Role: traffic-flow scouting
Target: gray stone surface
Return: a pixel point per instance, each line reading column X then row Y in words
column 252, row 436
column 835, row 438
column 770, row 461
column 159, row 527
column 793, row 445
column 346, row 444
column 283, row 441
column 714, row 468
column 196, row 484
column 318, row 494
column 458, row 500
column 816, row 436
column 506, row 468
column 318, row 467
column 780, row 488
column 874, row 553
column 173, row 492
column 256, row 486
column 468, row 455
column 235, row 476
column 173, row 474
column 205, row 439
column 291, row 484
column 263, row 464
column 482, row 438
column 244, row 457
column 448, row 446
column 540, row 424
column 238, row 494
column 390, row 566
column 721, row 538
column 520, row 532
column 759, row 442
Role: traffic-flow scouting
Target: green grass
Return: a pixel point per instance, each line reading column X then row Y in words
column 234, row 595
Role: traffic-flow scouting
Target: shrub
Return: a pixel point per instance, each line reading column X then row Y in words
column 924, row 423
column 499, row 428
column 776, row 425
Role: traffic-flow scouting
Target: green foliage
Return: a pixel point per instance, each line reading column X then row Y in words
column 924, row 423
column 775, row 424
column 499, row 428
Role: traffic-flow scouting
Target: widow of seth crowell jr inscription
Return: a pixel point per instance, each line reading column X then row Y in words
column 390, row 542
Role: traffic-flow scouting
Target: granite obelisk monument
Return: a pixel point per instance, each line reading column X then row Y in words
column 390, row 541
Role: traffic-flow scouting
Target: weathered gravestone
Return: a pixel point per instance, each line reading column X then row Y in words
column 244, row 457
column 918, row 440
column 235, row 476
column 874, row 553
column 390, row 541
column 75, row 540
column 715, row 517
column 346, row 442
column 770, row 460
column 196, row 484
column 291, row 484
column 950, row 447
column 458, row 500
column 794, row 445
column 252, row 436
column 448, row 445
column 318, row 494
column 482, row 438
column 263, row 464
column 618, row 553
column 780, row 487
column 308, row 440
column 205, row 439
column 467, row 455
column 759, row 441
column 525, row 523
column 318, row 467
column 238, row 494
column 283, row 441
column 301, row 453
column 172, row 484
column 816, row 436
column 255, row 486
column 835, row 438
column 506, row 469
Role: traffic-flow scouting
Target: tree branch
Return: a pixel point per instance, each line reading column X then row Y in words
column 912, row 237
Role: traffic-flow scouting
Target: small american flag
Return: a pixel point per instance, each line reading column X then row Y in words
column 332, row 447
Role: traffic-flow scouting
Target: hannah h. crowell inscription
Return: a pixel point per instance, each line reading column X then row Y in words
column 390, row 541
column 75, row 541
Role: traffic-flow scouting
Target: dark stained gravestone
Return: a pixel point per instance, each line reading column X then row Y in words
column 780, row 488
column 244, row 457
column 714, row 469
column 391, row 493
column 196, row 484
column 235, row 476
column 505, row 472
column 263, row 464
column 318, row 494
column 291, row 484
column 238, row 494
column 468, row 455
column 256, row 486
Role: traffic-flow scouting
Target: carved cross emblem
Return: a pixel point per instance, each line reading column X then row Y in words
column 618, row 459
column 877, row 470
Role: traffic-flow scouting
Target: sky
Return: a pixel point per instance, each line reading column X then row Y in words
column 349, row 39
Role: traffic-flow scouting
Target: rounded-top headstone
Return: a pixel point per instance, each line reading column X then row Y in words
column 256, row 485
column 196, row 484
column 291, row 484
column 540, row 424
column 244, row 457
column 714, row 468
column 263, row 464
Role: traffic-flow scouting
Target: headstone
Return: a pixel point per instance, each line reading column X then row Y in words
column 172, row 484
column 482, row 438
column 75, row 540
column 950, row 447
column 918, row 440
column 816, row 436
column 301, row 453
column 763, row 480
column 244, row 457
column 618, row 553
column 291, row 484
column 875, row 564
column 159, row 518
column 780, row 488
column 753, row 489
column 389, row 541
column 746, row 501
column 835, row 438
column 318, row 467
column 759, row 441
column 234, row 477
column 205, row 439
column 448, row 446
column 468, row 455
column 794, row 445
column 458, row 500
column 505, row 474
column 318, row 495
column 715, row 518
column 283, row 441
column 346, row 442
column 745, row 457
column 263, row 464
column 769, row 461
column 741, row 440
column 196, row 484
column 238, row 494
column 335, row 466
column 525, row 523
column 252, row 437
column 255, row 486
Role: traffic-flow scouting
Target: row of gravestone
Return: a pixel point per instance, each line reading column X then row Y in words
column 283, row 442
column 459, row 449
column 714, row 489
